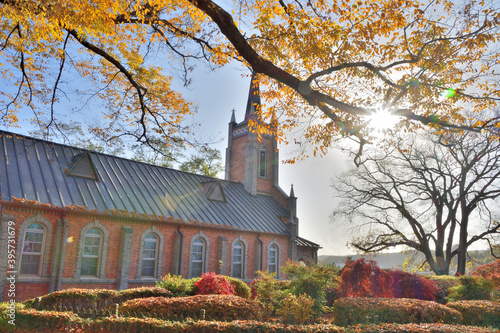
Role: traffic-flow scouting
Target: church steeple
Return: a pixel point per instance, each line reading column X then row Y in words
column 250, row 160
column 253, row 103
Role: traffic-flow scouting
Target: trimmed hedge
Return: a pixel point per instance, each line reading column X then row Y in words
column 359, row 310
column 217, row 307
column 74, row 298
column 126, row 325
column 142, row 292
column 151, row 325
column 478, row 312
column 98, row 299
column 38, row 321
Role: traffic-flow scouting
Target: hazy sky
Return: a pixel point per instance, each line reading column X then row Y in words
column 220, row 91
column 216, row 94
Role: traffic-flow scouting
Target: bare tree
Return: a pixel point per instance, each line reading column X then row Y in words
column 437, row 196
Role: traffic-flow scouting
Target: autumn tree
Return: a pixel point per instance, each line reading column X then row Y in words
column 207, row 162
column 438, row 196
column 324, row 65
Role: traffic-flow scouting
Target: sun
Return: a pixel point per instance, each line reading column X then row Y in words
column 382, row 119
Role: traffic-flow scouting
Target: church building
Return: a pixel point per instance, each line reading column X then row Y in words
column 73, row 218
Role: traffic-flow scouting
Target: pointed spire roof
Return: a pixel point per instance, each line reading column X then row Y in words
column 253, row 98
column 233, row 117
column 292, row 193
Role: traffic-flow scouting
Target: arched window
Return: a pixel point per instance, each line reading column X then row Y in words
column 31, row 254
column 237, row 260
column 263, row 162
column 149, row 256
column 198, row 250
column 91, row 255
column 272, row 259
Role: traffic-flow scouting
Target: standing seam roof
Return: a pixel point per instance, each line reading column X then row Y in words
column 35, row 170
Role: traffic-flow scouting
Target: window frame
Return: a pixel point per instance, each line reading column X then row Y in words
column 148, row 259
column 263, row 160
column 239, row 241
column 205, row 254
column 40, row 254
column 45, row 259
column 159, row 254
column 274, row 245
column 97, row 257
column 101, row 274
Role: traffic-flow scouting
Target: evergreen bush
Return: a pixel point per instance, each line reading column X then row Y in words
column 470, row 288
column 178, row 285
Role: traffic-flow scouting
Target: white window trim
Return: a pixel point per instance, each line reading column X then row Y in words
column 159, row 254
column 244, row 256
column 278, row 256
column 206, row 254
column 43, row 271
column 101, row 274
column 99, row 250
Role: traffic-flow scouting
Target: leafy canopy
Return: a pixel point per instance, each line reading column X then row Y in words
column 324, row 65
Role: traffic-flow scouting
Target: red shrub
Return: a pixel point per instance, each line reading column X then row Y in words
column 407, row 285
column 212, row 284
column 365, row 279
column 490, row 272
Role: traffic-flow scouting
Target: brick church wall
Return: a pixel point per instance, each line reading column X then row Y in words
column 29, row 287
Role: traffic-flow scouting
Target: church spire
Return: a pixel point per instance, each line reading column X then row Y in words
column 253, row 103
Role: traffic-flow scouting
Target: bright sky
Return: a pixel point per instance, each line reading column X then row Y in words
column 220, row 91
column 217, row 93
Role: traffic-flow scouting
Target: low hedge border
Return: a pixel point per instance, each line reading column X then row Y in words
column 151, row 325
column 359, row 310
column 478, row 312
column 74, row 298
column 99, row 299
column 37, row 321
column 217, row 307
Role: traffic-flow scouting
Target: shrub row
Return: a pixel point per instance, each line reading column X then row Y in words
column 478, row 313
column 210, row 284
column 41, row 321
column 359, row 310
column 219, row 307
column 38, row 321
column 92, row 298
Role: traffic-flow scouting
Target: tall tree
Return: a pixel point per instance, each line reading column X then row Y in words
column 438, row 196
column 325, row 65
column 207, row 163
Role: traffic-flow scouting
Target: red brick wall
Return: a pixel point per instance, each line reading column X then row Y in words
column 24, row 291
column 238, row 159
column 77, row 222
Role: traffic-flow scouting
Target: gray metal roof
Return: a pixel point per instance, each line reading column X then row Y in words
column 37, row 171
column 306, row 243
